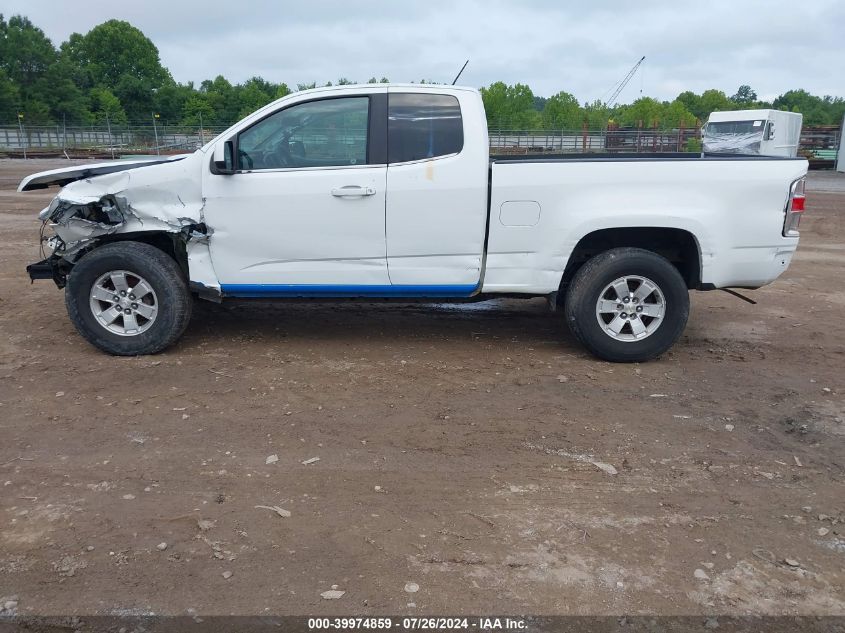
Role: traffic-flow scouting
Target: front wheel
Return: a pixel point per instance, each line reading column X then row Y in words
column 128, row 298
column 627, row 305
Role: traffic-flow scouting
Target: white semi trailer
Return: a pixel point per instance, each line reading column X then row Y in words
column 758, row 132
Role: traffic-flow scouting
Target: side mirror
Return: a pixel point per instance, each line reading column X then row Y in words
column 224, row 162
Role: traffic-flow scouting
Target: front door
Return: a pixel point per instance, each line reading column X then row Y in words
column 304, row 213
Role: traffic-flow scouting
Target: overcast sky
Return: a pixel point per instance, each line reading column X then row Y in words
column 581, row 47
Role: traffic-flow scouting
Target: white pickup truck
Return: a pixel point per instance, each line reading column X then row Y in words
column 389, row 191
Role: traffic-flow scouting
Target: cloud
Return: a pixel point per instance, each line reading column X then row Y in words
column 583, row 48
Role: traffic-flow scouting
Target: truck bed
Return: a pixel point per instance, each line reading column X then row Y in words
column 731, row 206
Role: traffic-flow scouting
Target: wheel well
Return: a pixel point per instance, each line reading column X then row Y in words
column 170, row 243
column 678, row 246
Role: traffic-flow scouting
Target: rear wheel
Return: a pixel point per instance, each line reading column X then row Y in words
column 128, row 298
column 627, row 305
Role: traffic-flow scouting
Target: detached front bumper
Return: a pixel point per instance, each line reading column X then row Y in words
column 51, row 268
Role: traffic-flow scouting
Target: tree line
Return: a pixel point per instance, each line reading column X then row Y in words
column 113, row 74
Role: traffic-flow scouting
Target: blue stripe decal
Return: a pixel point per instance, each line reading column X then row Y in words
column 297, row 290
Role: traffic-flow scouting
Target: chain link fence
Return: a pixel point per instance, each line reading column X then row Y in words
column 121, row 140
column 819, row 144
column 638, row 140
column 110, row 140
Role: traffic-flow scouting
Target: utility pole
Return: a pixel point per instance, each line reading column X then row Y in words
column 23, row 138
column 155, row 131
column 202, row 138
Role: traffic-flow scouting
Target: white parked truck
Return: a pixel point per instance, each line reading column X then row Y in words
column 759, row 132
column 388, row 191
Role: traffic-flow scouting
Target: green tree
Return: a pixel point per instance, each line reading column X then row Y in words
column 70, row 52
column 510, row 107
column 10, row 98
column 35, row 112
column 836, row 109
column 645, row 111
column 675, row 115
column 714, row 101
column 222, row 98
column 562, row 112
column 26, row 55
column 115, row 50
column 25, row 52
column 745, row 97
column 64, row 100
column 253, row 94
column 114, row 70
column 692, row 102
column 693, row 144
column 103, row 103
column 709, row 101
column 197, row 108
column 816, row 110
column 597, row 114
column 117, row 56
column 137, row 98
column 169, row 100
column 282, row 90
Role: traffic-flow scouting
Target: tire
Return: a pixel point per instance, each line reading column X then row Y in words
column 160, row 312
column 642, row 337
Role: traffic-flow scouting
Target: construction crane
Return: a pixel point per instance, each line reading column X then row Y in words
column 624, row 83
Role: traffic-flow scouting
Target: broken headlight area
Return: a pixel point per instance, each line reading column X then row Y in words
column 105, row 211
column 55, row 244
column 75, row 224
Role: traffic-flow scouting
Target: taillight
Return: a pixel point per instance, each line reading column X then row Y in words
column 794, row 208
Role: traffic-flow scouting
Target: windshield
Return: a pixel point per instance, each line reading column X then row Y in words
column 734, row 127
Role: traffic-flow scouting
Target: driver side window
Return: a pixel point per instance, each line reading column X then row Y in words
column 325, row 133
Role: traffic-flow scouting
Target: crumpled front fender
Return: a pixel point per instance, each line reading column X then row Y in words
column 161, row 197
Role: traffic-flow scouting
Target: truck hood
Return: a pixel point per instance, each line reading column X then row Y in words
column 66, row 175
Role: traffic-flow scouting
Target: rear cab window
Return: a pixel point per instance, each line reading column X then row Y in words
column 422, row 126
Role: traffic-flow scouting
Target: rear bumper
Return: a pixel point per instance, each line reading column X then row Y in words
column 750, row 267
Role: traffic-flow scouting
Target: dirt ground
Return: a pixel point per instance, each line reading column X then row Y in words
column 456, row 452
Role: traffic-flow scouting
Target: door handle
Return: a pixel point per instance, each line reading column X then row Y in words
column 353, row 191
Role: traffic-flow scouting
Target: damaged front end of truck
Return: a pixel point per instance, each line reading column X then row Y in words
column 157, row 202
